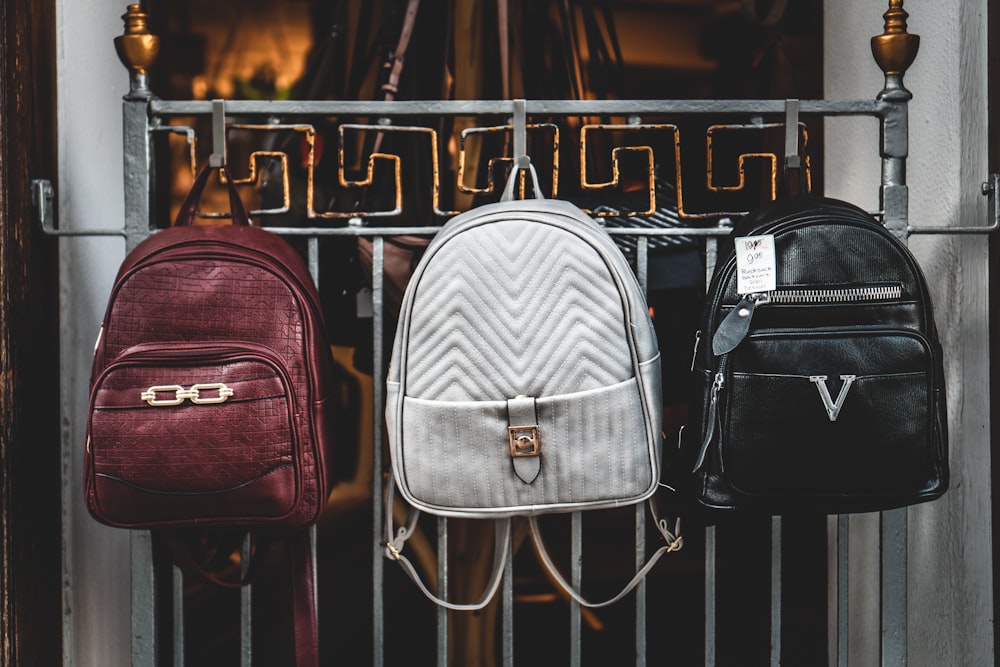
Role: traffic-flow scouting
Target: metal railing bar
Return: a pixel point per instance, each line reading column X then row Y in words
column 776, row 591
column 852, row 107
column 710, row 592
column 507, row 627
column 430, row 231
column 642, row 275
column 641, row 589
column 442, row 572
column 246, row 608
column 711, row 257
column 576, row 578
column 378, row 503
column 177, row 584
column 980, row 229
column 843, row 581
column 144, row 621
column 893, row 539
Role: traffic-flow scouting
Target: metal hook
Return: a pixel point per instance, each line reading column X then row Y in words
column 218, row 156
column 520, row 123
column 792, row 159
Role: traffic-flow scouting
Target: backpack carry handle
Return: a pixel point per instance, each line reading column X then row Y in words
column 189, row 207
column 522, row 162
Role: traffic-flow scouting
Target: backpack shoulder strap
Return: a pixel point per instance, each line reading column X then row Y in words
column 394, row 551
column 674, row 542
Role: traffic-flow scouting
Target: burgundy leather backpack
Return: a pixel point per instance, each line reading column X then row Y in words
column 213, row 391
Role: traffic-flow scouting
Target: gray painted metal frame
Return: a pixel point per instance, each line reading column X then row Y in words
column 144, row 116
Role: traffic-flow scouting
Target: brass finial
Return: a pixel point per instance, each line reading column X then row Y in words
column 137, row 48
column 895, row 50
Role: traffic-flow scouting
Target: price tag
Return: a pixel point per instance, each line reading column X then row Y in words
column 756, row 268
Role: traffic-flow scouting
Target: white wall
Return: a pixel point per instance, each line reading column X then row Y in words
column 91, row 83
column 950, row 577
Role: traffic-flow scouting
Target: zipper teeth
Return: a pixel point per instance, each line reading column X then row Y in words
column 871, row 293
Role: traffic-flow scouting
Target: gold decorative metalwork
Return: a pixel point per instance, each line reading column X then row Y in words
column 396, row 161
column 743, row 157
column 895, row 49
column 618, row 151
column 137, row 48
column 308, row 133
column 180, row 394
column 493, row 163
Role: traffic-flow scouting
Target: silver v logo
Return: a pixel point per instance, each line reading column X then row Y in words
column 832, row 408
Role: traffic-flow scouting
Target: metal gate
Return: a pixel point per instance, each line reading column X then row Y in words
column 534, row 123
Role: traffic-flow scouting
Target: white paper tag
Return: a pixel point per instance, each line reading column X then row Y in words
column 756, row 268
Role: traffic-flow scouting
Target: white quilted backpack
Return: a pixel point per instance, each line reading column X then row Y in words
column 525, row 376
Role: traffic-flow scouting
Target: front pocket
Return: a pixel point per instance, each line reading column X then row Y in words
column 829, row 413
column 186, row 433
column 598, row 448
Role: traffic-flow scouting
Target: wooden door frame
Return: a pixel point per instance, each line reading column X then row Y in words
column 30, row 514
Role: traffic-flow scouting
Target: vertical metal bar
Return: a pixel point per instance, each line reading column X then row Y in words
column 640, row 589
column 642, row 272
column 312, row 258
column 843, row 581
column 894, row 197
column 144, row 605
column 137, row 172
column 313, row 542
column 442, row 613
column 136, row 164
column 507, row 628
column 710, row 593
column 642, row 263
column 776, row 591
column 378, row 400
column 893, row 536
column 246, row 607
column 576, row 578
column 711, row 256
column 894, row 194
column 178, row 605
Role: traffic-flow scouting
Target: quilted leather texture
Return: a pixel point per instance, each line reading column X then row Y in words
column 252, row 460
column 513, row 310
column 527, row 298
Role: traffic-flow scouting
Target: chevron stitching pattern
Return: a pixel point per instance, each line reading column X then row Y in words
column 515, row 307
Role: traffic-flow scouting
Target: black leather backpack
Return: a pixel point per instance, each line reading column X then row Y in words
column 825, row 395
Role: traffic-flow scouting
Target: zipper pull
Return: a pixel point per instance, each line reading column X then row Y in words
column 734, row 328
column 694, row 352
column 713, row 416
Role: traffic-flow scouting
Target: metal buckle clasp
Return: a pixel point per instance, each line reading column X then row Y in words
column 524, row 441
column 150, row 394
column 224, row 393
column 180, row 394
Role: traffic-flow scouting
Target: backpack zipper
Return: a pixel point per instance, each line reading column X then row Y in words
column 796, row 295
column 713, row 416
column 735, row 326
